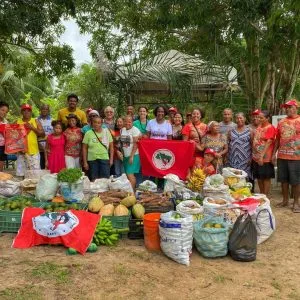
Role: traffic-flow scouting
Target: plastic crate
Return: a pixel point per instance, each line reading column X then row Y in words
column 136, row 229
column 10, row 221
column 120, row 222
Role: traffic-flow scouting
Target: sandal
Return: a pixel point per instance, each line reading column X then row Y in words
column 282, row 204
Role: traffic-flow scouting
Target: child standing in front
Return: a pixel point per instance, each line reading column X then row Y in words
column 55, row 149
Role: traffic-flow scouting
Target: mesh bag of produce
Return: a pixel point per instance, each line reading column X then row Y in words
column 211, row 236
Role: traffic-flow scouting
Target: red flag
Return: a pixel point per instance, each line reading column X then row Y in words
column 72, row 228
column 161, row 157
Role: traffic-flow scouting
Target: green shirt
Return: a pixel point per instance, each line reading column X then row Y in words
column 95, row 149
column 142, row 127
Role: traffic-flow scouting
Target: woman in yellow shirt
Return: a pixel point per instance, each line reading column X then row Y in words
column 31, row 159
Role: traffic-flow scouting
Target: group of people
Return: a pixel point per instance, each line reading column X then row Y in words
column 104, row 145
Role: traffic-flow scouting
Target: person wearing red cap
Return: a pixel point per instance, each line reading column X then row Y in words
column 262, row 150
column 204, row 163
column 255, row 119
column 287, row 147
column 31, row 159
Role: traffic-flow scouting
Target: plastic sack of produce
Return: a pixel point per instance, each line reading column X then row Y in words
column 192, row 208
column 99, row 185
column 35, row 174
column 148, row 185
column 233, row 176
column 218, row 207
column 9, row 188
column 263, row 218
column 214, row 187
column 171, row 182
column 176, row 236
column 72, row 192
column 120, row 183
column 46, row 188
column 243, row 239
column 211, row 237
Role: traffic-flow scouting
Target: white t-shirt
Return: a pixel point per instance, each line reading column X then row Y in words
column 159, row 131
column 126, row 140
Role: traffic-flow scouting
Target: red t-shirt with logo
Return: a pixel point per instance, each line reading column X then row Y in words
column 261, row 136
column 288, row 132
column 208, row 168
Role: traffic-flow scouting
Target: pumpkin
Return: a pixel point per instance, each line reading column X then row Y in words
column 107, row 210
column 58, row 199
column 121, row 210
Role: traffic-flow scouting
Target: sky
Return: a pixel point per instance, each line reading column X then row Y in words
column 77, row 41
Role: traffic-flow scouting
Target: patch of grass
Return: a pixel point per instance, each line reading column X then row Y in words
column 24, row 293
column 276, row 285
column 51, row 271
column 142, row 255
column 219, row 279
column 122, row 270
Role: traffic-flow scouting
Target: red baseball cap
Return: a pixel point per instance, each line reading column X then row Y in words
column 210, row 151
column 292, row 102
column 256, row 112
column 26, row 106
column 173, row 109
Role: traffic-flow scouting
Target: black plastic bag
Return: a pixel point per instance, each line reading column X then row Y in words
column 243, row 239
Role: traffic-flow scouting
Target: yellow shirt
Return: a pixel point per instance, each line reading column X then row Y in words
column 32, row 140
column 63, row 113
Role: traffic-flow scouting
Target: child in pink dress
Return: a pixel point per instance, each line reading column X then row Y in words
column 55, row 149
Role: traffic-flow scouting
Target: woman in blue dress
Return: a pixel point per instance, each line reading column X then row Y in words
column 240, row 146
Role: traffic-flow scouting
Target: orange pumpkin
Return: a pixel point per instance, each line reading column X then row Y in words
column 58, row 199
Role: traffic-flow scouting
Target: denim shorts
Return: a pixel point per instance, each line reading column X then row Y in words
column 98, row 168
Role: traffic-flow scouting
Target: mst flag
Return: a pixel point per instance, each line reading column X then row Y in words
column 162, row 157
column 72, row 228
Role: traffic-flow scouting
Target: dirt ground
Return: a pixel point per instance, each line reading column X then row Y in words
column 129, row 271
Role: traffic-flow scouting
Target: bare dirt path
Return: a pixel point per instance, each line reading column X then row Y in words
column 129, row 271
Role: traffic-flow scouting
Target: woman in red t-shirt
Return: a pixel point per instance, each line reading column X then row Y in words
column 74, row 138
column 195, row 130
column 262, row 149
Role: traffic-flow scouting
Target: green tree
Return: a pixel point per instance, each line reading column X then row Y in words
column 88, row 83
column 260, row 38
column 34, row 26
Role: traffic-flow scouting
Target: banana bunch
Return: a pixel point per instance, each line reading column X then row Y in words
column 196, row 181
column 230, row 181
column 105, row 234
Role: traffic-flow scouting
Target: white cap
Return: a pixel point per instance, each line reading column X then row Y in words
column 94, row 112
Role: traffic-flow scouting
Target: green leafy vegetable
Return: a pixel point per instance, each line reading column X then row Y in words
column 69, row 175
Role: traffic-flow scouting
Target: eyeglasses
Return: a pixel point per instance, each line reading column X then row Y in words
column 110, row 112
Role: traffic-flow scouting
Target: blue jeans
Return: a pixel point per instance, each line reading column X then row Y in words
column 98, row 168
column 118, row 167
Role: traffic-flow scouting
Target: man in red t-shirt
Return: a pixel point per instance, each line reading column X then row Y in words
column 288, row 154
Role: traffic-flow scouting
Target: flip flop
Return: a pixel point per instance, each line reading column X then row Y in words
column 296, row 210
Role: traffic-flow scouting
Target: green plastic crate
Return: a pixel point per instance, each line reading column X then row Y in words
column 120, row 222
column 10, row 221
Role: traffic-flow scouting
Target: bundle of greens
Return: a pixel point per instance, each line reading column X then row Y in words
column 69, row 175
